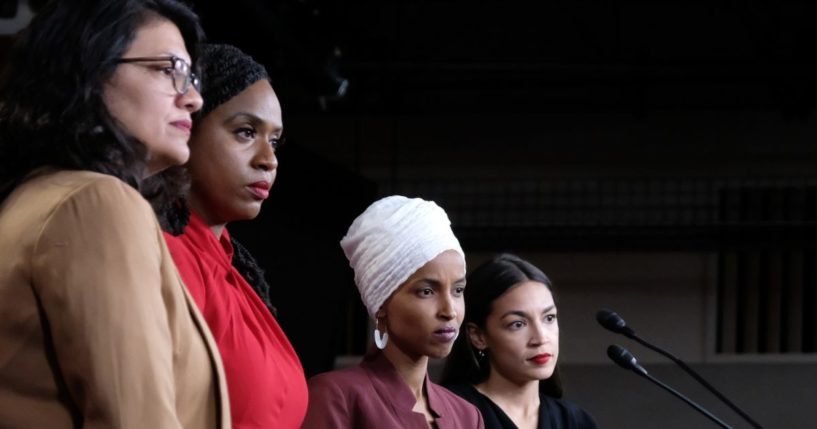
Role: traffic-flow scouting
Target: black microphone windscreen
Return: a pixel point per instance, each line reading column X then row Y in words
column 621, row 356
column 610, row 320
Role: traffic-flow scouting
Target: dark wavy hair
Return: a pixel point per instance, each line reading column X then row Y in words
column 51, row 107
column 486, row 283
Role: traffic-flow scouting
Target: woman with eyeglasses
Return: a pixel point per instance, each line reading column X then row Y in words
column 504, row 360
column 231, row 169
column 96, row 328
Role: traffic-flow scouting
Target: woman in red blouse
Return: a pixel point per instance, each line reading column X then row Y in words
column 231, row 169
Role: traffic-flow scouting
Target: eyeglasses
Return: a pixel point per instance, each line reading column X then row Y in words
column 181, row 72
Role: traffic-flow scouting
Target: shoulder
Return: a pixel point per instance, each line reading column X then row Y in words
column 73, row 181
column 352, row 384
column 572, row 414
column 76, row 214
column 334, row 398
column 91, row 199
column 53, row 187
column 181, row 250
column 90, row 191
column 457, row 393
column 454, row 400
column 465, row 391
column 464, row 409
column 193, row 246
column 197, row 275
column 185, row 256
column 346, row 380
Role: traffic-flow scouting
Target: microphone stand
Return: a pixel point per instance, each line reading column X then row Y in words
column 684, row 398
column 629, row 333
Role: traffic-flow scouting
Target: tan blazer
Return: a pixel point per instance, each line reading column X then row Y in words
column 96, row 327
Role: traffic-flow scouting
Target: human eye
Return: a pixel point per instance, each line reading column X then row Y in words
column 245, row 133
column 516, row 325
column 459, row 291
column 276, row 142
column 425, row 292
column 160, row 67
column 165, row 67
column 550, row 318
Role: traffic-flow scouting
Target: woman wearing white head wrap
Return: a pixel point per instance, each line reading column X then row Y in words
column 410, row 271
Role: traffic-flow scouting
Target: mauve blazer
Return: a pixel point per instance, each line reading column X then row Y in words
column 96, row 327
column 372, row 395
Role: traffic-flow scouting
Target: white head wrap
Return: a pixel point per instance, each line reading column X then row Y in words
column 393, row 239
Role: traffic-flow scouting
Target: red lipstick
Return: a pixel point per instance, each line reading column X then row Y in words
column 541, row 359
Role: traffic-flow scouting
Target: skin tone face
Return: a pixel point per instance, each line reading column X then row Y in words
column 141, row 96
column 521, row 335
column 424, row 314
column 232, row 161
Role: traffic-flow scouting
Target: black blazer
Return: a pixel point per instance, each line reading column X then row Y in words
column 553, row 413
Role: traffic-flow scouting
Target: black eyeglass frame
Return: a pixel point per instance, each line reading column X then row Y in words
column 180, row 67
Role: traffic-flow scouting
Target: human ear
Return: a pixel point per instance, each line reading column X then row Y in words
column 476, row 336
column 380, row 316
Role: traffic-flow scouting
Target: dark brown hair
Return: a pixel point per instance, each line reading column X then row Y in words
column 486, row 284
column 51, row 107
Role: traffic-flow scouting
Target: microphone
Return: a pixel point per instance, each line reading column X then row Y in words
column 611, row 321
column 626, row 360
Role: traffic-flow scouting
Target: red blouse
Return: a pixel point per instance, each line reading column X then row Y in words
column 265, row 379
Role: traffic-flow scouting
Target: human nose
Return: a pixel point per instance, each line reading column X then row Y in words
column 448, row 308
column 190, row 100
column 539, row 334
column 265, row 158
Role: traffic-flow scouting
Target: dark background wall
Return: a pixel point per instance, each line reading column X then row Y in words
column 658, row 158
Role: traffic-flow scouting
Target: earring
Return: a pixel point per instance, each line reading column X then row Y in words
column 481, row 353
column 380, row 340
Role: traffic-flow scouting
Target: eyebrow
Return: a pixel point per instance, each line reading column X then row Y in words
column 247, row 115
column 187, row 60
column 254, row 119
column 167, row 54
column 523, row 314
column 436, row 283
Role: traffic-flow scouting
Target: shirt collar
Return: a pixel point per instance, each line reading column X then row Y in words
column 397, row 387
column 201, row 232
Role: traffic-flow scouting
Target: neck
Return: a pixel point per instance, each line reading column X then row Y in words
column 217, row 229
column 215, row 226
column 518, row 398
column 412, row 370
